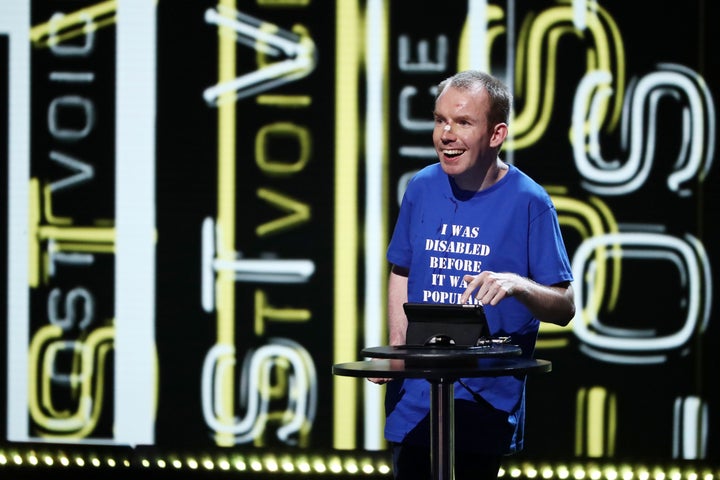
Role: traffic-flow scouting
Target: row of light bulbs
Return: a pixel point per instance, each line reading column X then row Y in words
column 344, row 464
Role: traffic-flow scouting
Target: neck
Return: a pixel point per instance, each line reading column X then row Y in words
column 482, row 179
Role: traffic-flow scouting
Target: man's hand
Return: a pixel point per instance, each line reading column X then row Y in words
column 491, row 287
column 548, row 303
column 380, row 381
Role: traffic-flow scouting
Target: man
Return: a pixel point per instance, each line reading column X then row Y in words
column 472, row 209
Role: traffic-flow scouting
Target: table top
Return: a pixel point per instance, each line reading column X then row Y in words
column 440, row 353
column 479, row 367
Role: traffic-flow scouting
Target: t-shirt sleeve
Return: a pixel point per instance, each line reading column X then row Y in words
column 549, row 262
column 399, row 250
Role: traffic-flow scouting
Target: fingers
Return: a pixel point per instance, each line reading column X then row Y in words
column 379, row 381
column 489, row 288
column 491, row 298
column 472, row 284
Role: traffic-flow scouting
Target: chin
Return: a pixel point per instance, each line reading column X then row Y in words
column 451, row 169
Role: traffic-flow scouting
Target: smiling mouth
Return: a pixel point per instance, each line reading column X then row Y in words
column 453, row 153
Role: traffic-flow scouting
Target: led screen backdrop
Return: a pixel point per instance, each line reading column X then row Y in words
column 198, row 198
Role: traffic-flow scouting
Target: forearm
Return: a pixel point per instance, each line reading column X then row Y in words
column 397, row 296
column 548, row 303
column 397, row 322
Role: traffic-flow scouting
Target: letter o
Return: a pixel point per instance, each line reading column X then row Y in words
column 58, row 105
column 282, row 131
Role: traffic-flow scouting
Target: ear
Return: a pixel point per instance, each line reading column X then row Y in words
column 499, row 134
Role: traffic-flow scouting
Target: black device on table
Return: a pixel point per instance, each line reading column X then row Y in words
column 441, row 325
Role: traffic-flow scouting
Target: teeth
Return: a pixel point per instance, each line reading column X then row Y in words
column 453, row 152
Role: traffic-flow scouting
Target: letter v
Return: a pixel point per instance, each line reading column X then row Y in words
column 299, row 50
column 84, row 171
column 301, row 212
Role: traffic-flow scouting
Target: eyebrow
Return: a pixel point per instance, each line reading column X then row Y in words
column 460, row 118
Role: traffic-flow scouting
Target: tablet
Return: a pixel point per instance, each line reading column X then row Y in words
column 443, row 325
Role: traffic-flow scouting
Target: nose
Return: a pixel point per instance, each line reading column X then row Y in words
column 446, row 130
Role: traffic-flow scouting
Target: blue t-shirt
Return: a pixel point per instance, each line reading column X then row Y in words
column 443, row 233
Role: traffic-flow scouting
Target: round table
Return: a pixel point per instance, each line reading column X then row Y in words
column 442, row 366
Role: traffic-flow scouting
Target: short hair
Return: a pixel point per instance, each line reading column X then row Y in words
column 498, row 92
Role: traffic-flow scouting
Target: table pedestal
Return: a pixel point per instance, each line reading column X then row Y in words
column 442, row 431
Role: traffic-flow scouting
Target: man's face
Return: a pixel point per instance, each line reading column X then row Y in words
column 463, row 143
